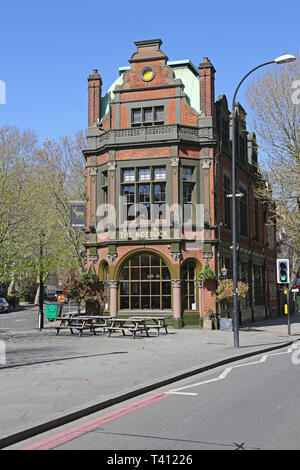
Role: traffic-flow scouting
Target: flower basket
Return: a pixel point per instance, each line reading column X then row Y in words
column 206, row 273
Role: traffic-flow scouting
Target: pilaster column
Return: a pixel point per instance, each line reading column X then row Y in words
column 177, row 314
column 113, row 298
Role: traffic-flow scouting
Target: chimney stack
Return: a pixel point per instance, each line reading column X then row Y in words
column 207, row 87
column 94, row 97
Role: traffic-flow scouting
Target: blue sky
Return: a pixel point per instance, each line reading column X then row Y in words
column 49, row 48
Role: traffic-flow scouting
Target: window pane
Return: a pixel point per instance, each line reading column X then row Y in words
column 144, row 174
column 128, row 191
column 145, row 302
column 128, row 175
column 155, row 302
column 135, row 302
column 137, row 116
column 187, row 172
column 124, row 302
column 159, row 113
column 124, row 288
column 166, row 302
column 160, row 192
column 187, row 193
column 144, row 193
column 145, row 288
column 145, row 260
column 160, row 173
column 155, row 288
column 148, row 115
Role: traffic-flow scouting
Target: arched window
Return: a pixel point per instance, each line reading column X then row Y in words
column 145, row 283
column 188, row 277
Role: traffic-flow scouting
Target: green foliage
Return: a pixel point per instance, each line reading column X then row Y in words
column 206, row 273
column 26, row 291
column 82, row 288
column 37, row 183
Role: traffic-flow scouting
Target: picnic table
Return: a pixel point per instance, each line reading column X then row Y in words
column 82, row 322
column 153, row 322
column 133, row 325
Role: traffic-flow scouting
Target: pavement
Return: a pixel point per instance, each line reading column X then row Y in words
column 50, row 380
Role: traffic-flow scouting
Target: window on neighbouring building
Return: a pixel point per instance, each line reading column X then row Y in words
column 243, row 213
column 227, row 202
column 256, row 216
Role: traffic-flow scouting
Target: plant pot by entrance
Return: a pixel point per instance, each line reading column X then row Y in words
column 225, row 323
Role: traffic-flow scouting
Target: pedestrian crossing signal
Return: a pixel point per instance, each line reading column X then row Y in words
column 283, row 271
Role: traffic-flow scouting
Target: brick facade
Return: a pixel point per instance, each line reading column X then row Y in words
column 149, row 125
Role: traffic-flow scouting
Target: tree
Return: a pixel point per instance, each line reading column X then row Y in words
column 37, row 183
column 273, row 101
column 16, row 154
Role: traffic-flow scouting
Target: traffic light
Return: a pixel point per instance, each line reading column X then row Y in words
column 283, row 271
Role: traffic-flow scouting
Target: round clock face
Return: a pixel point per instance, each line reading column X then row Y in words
column 148, row 74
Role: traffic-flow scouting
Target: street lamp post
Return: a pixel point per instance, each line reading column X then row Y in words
column 279, row 60
column 41, row 297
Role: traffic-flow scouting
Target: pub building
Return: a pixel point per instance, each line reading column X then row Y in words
column 158, row 162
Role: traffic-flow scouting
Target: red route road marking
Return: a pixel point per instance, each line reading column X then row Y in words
column 89, row 426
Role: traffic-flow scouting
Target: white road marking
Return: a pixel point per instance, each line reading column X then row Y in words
column 224, row 374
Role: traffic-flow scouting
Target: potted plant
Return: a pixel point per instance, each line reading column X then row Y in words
column 211, row 321
column 206, row 273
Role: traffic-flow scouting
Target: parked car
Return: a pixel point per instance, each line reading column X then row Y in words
column 4, row 305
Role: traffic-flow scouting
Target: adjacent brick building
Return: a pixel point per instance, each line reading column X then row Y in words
column 159, row 138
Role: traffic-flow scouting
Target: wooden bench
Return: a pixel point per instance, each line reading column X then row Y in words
column 82, row 323
column 135, row 326
column 158, row 322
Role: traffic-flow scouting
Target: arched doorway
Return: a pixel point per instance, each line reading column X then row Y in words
column 145, row 283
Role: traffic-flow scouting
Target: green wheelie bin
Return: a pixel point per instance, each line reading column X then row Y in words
column 52, row 310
